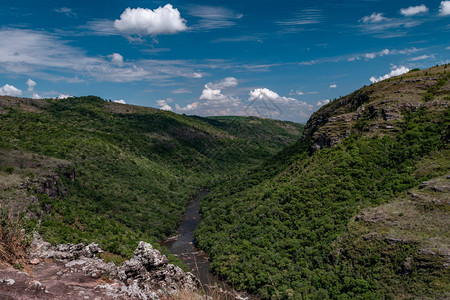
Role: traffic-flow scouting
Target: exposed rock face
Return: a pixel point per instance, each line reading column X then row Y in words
column 44, row 250
column 379, row 109
column 148, row 271
column 74, row 272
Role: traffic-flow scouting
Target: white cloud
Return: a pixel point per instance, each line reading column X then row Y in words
column 373, row 18
column 323, row 102
column 395, row 72
column 31, row 84
column 361, row 56
column 144, row 21
column 227, row 82
column 267, row 103
column 447, row 48
column 262, row 102
column 67, row 11
column 297, row 92
column 163, row 105
column 333, row 86
column 444, row 9
column 382, row 27
column 213, row 91
column 190, row 107
column 36, row 96
column 304, row 17
column 121, row 101
column 414, row 10
column 196, row 75
column 422, row 57
column 10, row 90
column 63, row 96
column 211, row 94
column 375, row 54
column 181, row 91
column 117, row 59
column 264, row 94
column 102, row 27
column 40, row 54
column 213, row 17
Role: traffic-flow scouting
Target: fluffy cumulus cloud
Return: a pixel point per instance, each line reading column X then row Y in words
column 323, row 102
column 63, row 96
column 10, row 90
column 373, row 18
column 163, row 105
column 217, row 99
column 395, row 72
column 267, row 103
column 36, row 96
column 121, row 101
column 213, row 101
column 333, row 86
column 224, row 83
column 188, row 108
column 212, row 94
column 444, row 9
column 117, row 59
column 31, row 84
column 414, row 10
column 264, row 94
column 144, row 21
column 213, row 91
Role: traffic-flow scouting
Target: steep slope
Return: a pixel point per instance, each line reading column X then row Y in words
column 283, row 230
column 83, row 169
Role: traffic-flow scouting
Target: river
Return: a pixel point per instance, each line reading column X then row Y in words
column 184, row 248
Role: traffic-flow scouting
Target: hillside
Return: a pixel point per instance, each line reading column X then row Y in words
column 357, row 208
column 84, row 169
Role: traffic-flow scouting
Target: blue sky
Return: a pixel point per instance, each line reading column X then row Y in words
column 279, row 59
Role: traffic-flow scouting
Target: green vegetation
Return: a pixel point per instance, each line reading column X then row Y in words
column 116, row 174
column 282, row 230
column 343, row 213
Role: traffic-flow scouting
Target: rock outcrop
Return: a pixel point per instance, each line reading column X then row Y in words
column 379, row 109
column 71, row 271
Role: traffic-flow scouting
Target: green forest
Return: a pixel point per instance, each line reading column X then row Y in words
column 134, row 168
column 277, row 231
column 352, row 205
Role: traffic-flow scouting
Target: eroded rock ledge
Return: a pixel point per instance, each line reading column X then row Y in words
column 75, row 272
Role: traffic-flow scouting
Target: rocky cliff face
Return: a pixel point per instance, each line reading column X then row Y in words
column 74, row 272
column 378, row 109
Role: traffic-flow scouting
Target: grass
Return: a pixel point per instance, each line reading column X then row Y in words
column 13, row 240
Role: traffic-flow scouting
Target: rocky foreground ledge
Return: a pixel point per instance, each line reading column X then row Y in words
column 74, row 272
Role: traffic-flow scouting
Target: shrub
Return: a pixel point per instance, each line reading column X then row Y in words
column 14, row 242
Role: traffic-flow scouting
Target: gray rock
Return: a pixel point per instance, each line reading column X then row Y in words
column 147, row 275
